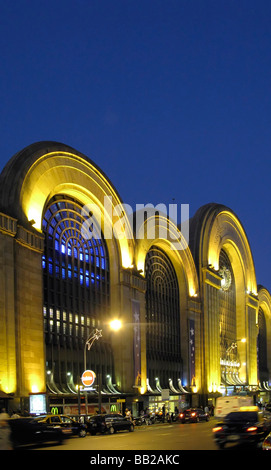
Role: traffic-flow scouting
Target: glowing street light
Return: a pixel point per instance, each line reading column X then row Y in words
column 115, row 325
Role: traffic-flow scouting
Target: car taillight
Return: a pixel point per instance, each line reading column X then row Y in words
column 217, row 428
column 193, row 414
column 252, row 428
column 181, row 415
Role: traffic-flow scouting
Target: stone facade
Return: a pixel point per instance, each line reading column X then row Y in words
column 44, row 170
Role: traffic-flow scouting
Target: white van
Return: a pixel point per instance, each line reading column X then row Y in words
column 225, row 405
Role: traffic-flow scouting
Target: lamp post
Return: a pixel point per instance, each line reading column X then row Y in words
column 114, row 325
column 95, row 336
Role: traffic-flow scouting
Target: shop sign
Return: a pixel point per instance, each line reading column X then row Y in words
column 88, row 378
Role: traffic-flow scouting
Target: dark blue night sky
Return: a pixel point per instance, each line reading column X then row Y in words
column 172, row 99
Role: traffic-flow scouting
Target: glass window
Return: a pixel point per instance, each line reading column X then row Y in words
column 163, row 319
column 67, row 270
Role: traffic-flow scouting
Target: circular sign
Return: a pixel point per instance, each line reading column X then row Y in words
column 88, row 378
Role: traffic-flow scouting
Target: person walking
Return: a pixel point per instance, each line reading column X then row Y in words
column 5, row 432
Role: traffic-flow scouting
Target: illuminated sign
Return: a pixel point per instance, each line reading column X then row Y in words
column 88, row 378
column 37, row 404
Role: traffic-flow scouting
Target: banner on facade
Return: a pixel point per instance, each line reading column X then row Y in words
column 192, row 368
column 137, row 342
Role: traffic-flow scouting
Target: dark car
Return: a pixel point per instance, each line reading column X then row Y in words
column 25, row 431
column 96, row 424
column 245, row 426
column 110, row 423
column 69, row 426
column 193, row 415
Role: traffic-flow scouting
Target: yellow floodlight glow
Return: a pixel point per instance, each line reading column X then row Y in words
column 34, row 389
column 126, row 258
column 116, row 324
column 34, row 216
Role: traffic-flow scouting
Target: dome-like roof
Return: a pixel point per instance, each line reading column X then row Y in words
column 13, row 175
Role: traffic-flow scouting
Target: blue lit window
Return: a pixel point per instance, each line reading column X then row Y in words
column 79, row 265
column 76, row 282
column 43, row 262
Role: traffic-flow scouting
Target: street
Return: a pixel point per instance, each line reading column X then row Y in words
column 156, row 444
column 175, row 436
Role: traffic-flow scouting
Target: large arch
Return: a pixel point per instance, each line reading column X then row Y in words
column 29, row 181
column 44, row 169
column 265, row 305
column 166, row 236
column 215, row 227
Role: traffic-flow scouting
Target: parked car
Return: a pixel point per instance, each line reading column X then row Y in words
column 25, row 431
column 96, row 424
column 249, row 425
column 193, row 415
column 69, row 426
column 110, row 423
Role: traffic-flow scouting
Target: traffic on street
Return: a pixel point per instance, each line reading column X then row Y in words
column 247, row 428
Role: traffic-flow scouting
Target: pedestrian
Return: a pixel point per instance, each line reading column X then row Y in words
column 163, row 413
column 15, row 415
column 5, row 432
column 128, row 414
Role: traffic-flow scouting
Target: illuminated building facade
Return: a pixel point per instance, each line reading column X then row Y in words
column 194, row 322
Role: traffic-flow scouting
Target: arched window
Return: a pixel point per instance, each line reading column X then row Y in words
column 262, row 347
column 163, row 319
column 227, row 304
column 76, row 290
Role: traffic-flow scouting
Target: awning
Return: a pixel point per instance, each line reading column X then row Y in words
column 5, row 396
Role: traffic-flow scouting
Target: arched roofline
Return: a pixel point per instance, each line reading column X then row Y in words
column 215, row 226
column 45, row 169
column 264, row 297
column 165, row 234
column 16, row 169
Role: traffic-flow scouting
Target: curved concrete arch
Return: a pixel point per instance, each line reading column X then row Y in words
column 264, row 297
column 214, row 227
column 265, row 303
column 168, row 237
column 44, row 169
column 171, row 240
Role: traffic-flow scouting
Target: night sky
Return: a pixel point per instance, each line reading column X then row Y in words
column 171, row 99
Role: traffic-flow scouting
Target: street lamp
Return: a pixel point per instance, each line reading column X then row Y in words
column 115, row 325
column 95, row 336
